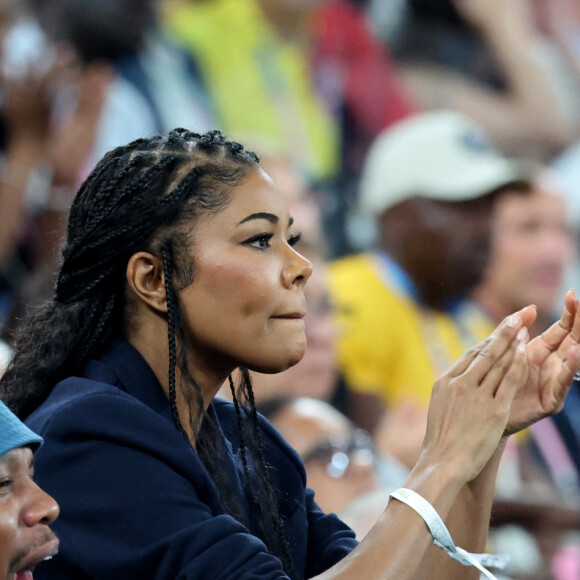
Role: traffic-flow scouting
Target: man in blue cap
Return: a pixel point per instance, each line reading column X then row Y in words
column 25, row 510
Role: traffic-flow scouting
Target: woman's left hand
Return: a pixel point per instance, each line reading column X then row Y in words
column 553, row 360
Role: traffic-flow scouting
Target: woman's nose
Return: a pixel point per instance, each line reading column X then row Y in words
column 297, row 270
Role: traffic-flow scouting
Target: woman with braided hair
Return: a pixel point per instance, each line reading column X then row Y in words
column 179, row 274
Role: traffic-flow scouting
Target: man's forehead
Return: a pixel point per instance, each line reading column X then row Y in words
column 21, row 456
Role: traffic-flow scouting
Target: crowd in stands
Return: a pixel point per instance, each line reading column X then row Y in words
column 430, row 155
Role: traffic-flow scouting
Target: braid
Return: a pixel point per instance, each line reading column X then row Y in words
column 257, row 501
column 171, row 307
column 269, row 500
column 240, row 425
column 103, row 326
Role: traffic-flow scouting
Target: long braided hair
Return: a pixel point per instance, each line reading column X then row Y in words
column 140, row 197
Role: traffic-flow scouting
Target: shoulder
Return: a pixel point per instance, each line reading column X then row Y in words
column 82, row 410
column 91, row 427
column 71, row 395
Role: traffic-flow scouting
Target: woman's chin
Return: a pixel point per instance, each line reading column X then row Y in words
column 278, row 365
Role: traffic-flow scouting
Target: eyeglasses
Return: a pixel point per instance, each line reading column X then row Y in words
column 340, row 451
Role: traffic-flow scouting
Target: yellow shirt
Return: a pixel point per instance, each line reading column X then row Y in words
column 261, row 87
column 389, row 345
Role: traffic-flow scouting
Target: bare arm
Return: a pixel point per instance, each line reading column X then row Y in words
column 526, row 115
column 467, row 417
column 67, row 149
column 468, row 523
column 552, row 360
column 497, row 388
column 27, row 112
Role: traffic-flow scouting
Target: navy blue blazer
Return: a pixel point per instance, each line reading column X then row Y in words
column 137, row 502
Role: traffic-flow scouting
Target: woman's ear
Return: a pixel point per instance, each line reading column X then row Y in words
column 146, row 279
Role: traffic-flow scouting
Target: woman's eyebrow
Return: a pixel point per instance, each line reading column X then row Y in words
column 265, row 216
column 261, row 216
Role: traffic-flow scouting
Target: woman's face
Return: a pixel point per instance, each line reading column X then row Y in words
column 246, row 304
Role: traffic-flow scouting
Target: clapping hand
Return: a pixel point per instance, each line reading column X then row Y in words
column 553, row 359
column 471, row 404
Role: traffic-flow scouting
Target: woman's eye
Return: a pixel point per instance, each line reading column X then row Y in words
column 293, row 240
column 261, row 241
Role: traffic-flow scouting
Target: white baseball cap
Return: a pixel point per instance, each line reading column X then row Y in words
column 442, row 155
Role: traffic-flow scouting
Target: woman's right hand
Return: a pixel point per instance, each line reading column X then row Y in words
column 470, row 404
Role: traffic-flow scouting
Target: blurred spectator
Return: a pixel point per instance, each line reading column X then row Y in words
column 308, row 78
column 356, row 77
column 430, row 183
column 42, row 152
column 129, row 80
column 156, row 86
column 339, row 459
column 558, row 23
column 480, row 57
column 568, row 422
column 255, row 64
column 531, row 244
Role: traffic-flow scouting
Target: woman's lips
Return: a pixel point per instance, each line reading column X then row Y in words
column 291, row 316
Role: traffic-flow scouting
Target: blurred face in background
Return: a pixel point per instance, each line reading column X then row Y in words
column 339, row 459
column 531, row 245
column 442, row 245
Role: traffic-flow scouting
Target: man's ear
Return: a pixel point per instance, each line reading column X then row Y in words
column 146, row 279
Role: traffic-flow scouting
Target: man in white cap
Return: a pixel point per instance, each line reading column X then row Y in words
column 26, row 511
column 429, row 182
column 532, row 245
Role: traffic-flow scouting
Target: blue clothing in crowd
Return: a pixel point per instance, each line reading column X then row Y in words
column 568, row 423
column 136, row 500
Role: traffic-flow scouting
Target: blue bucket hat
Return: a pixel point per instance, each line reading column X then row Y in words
column 14, row 433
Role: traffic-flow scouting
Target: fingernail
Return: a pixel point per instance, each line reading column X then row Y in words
column 514, row 321
column 522, row 334
column 521, row 347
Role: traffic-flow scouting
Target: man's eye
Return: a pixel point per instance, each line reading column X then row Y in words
column 5, row 484
column 261, row 241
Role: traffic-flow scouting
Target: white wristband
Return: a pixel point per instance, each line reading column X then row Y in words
column 442, row 537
